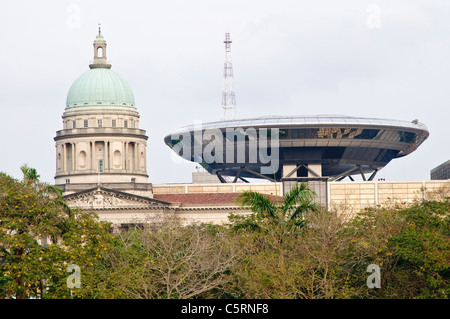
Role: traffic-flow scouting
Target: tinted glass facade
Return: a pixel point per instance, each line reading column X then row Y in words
column 441, row 172
column 338, row 144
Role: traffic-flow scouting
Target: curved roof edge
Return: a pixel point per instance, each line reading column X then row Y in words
column 308, row 119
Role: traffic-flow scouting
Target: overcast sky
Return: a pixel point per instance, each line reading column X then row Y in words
column 385, row 59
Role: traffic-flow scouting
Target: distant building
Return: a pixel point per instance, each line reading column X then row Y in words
column 321, row 147
column 441, row 172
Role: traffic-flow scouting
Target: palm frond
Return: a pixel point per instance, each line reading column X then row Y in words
column 258, row 203
column 297, row 200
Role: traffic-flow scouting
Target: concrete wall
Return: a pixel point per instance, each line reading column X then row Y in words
column 351, row 197
column 204, row 178
column 187, row 216
column 319, row 187
column 264, row 188
column 346, row 197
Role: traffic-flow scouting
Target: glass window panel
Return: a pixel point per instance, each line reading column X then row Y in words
column 285, row 121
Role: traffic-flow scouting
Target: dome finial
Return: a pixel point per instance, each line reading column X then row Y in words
column 100, row 51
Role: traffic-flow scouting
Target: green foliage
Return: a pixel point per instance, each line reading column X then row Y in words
column 289, row 212
column 40, row 236
column 411, row 245
column 166, row 260
column 424, row 246
column 329, row 257
column 286, row 248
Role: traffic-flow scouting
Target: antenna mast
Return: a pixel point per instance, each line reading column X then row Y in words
column 228, row 97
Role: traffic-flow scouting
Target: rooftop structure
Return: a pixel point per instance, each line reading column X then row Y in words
column 441, row 172
column 228, row 95
column 323, row 147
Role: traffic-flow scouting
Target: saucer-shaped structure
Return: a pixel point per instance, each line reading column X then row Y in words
column 325, row 146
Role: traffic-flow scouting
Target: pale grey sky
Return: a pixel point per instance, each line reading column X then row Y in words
column 289, row 57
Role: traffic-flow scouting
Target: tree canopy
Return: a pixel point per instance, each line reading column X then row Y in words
column 40, row 235
column 288, row 247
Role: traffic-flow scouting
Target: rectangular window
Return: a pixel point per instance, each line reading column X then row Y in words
column 113, row 123
column 100, row 123
column 74, row 124
column 85, row 123
column 125, row 123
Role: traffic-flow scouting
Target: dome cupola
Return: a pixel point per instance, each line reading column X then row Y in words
column 100, row 52
column 100, row 86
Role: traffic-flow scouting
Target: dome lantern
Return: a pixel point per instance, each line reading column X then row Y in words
column 100, row 52
column 100, row 86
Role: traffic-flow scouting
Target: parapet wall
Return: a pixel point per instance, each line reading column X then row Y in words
column 354, row 196
column 264, row 188
column 350, row 197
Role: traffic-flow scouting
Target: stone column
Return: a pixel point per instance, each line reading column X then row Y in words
column 88, row 156
column 74, row 155
column 57, row 168
column 145, row 158
column 107, row 164
column 64, row 159
column 136, row 156
column 124, row 166
column 94, row 158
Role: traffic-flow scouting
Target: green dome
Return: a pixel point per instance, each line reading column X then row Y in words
column 100, row 86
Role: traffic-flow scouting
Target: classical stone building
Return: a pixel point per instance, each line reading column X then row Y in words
column 101, row 141
column 101, row 151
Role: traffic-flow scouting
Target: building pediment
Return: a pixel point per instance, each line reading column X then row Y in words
column 103, row 198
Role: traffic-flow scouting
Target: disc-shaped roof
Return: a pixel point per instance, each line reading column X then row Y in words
column 308, row 120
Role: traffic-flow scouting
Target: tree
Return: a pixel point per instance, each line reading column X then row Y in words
column 30, row 175
column 40, row 236
column 321, row 253
column 289, row 212
column 423, row 246
column 167, row 260
column 411, row 244
column 266, row 239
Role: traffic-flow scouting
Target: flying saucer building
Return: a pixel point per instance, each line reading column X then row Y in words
column 280, row 148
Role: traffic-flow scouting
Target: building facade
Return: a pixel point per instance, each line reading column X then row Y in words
column 101, row 141
column 441, row 172
column 278, row 148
